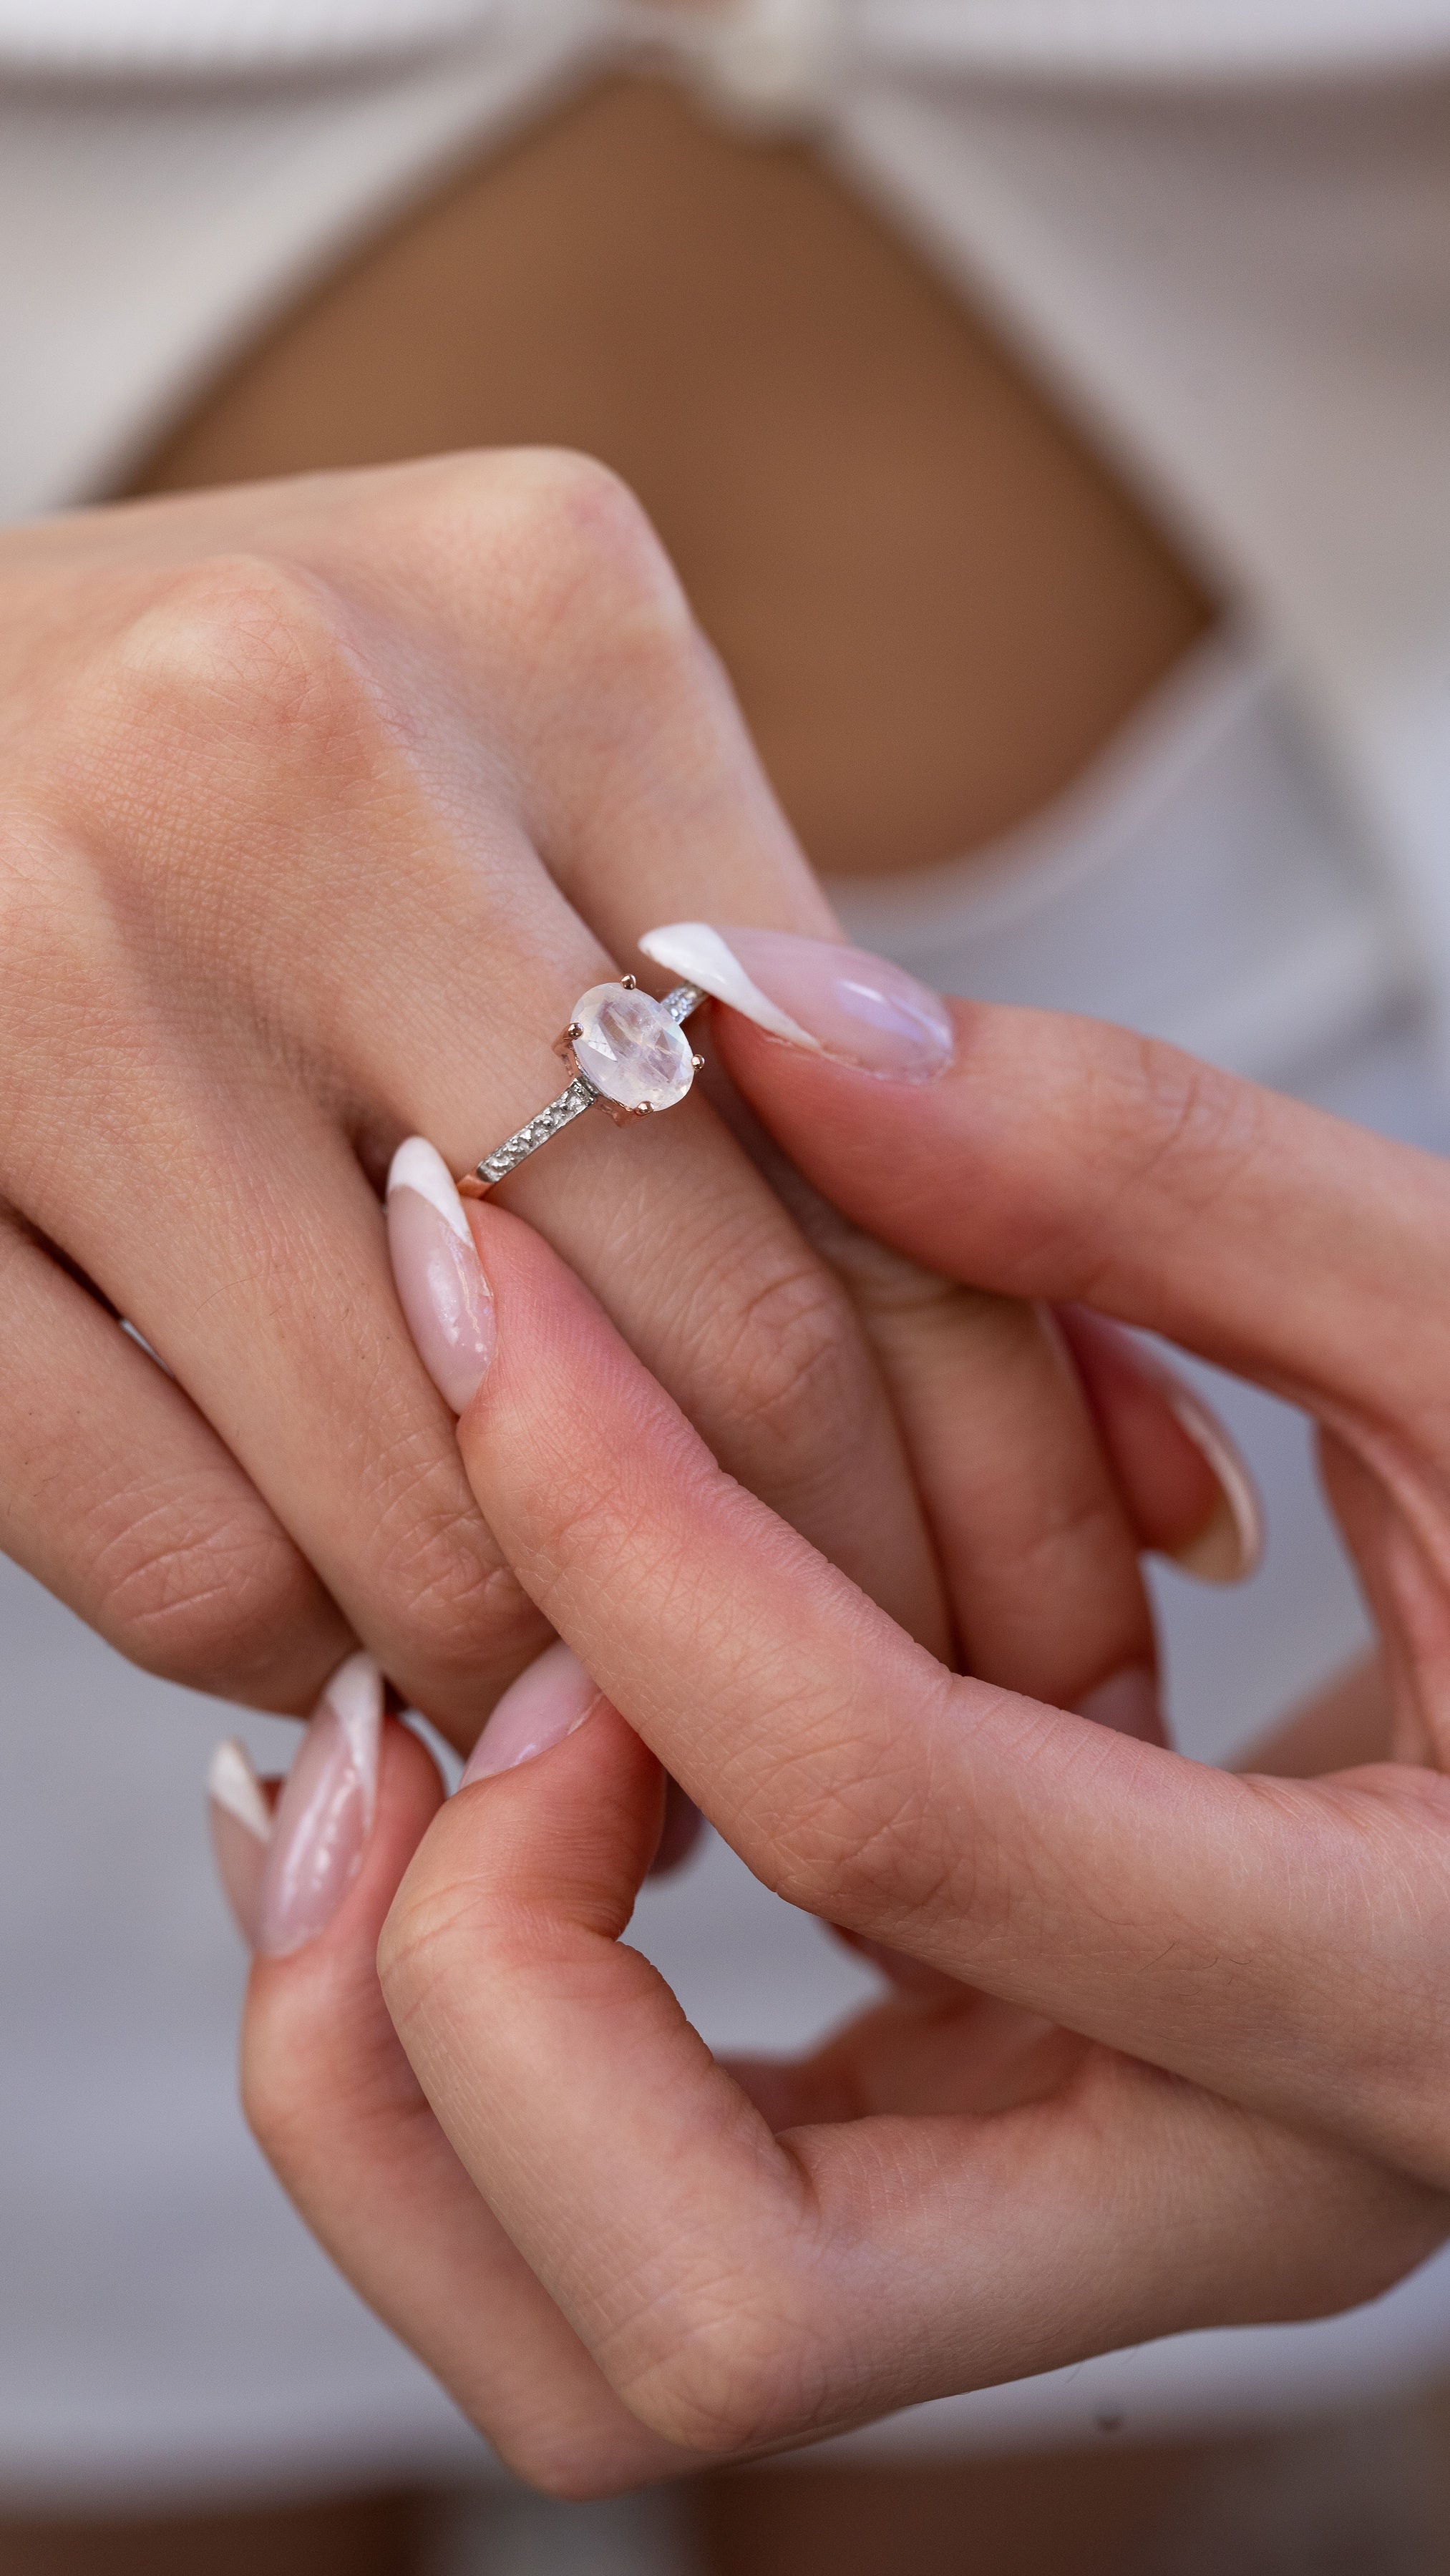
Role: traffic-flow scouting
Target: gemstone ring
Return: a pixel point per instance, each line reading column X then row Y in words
column 630, row 1057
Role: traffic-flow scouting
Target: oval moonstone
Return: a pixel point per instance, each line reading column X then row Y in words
column 630, row 1049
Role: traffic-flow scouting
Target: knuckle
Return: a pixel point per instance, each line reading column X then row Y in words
column 1177, row 1118
column 872, row 1856
column 243, row 643
column 570, row 2464
column 851, row 1821
column 202, row 754
column 579, row 514
column 216, row 1599
column 449, row 1604
column 581, row 555
column 199, row 759
column 793, row 1357
column 866, row 1827
column 740, row 2369
column 421, row 1937
column 1072, row 1545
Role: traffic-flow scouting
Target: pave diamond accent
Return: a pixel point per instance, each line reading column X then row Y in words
column 682, row 1001
column 581, row 1095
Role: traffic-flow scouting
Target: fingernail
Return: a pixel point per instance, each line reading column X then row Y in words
column 837, row 1001
column 1128, row 1704
column 546, row 1703
column 325, row 1812
column 439, row 1277
column 241, row 1829
column 1228, row 1547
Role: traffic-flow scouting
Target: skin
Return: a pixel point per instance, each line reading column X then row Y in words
column 223, row 717
column 934, row 602
column 1172, row 2052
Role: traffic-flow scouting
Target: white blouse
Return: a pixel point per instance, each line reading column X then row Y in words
column 1222, row 228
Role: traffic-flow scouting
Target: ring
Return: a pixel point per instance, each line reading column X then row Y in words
column 630, row 1057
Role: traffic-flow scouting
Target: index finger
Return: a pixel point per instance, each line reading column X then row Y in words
column 741, row 2288
column 1063, row 1158
column 1263, row 1937
column 738, row 2286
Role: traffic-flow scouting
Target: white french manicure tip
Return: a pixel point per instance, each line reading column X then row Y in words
column 696, row 950
column 355, row 1696
column 419, row 1166
column 232, row 1784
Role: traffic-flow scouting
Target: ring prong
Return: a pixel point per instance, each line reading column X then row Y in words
column 630, row 983
column 698, row 1062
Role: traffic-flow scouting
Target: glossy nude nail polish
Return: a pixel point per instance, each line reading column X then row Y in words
column 439, row 1277
column 813, row 993
column 547, row 1702
column 1230, row 1543
column 325, row 1812
column 241, row 1830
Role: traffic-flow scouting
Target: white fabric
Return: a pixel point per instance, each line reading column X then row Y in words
column 189, row 36
column 1243, row 282
column 1267, row 944
column 1076, row 38
column 1231, row 252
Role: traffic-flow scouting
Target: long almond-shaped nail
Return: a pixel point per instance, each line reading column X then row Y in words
column 546, row 1703
column 836, row 1001
column 241, row 1829
column 1128, row 1703
column 325, row 1813
column 439, row 1277
column 1230, row 1543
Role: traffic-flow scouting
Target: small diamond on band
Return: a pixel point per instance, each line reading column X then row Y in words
column 631, row 1057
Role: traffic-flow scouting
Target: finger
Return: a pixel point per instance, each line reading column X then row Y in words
column 246, row 1243
column 631, row 769
column 707, row 1277
column 619, row 2231
column 1407, row 1593
column 123, row 1502
column 1000, row 1445
column 1023, row 1504
column 269, row 1296
column 1019, row 1491
column 302, row 1316
column 742, row 2289
column 1061, row 1158
column 1173, row 1911
column 680, row 1832
column 339, row 2113
column 1186, row 1486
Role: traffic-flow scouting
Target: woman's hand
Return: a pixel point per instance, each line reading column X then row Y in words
column 1203, row 2079
column 322, row 803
